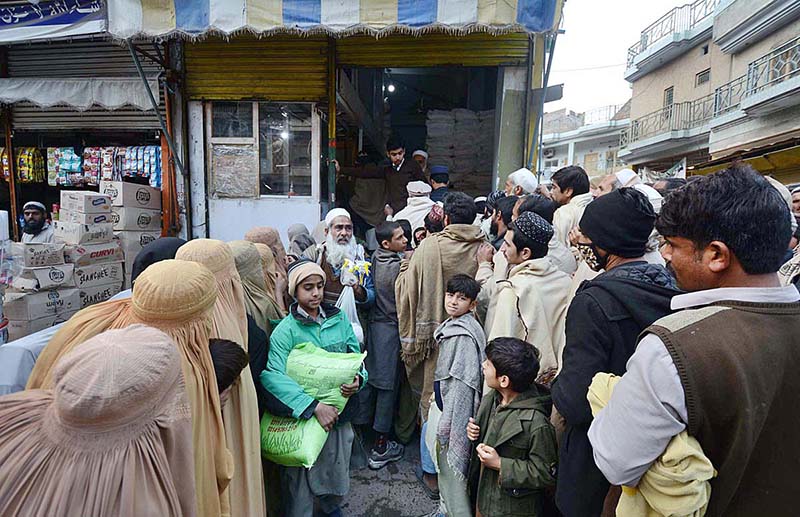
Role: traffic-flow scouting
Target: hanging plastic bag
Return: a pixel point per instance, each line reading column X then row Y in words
column 347, row 304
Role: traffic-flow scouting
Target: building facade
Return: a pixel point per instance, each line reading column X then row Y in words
column 715, row 80
column 589, row 139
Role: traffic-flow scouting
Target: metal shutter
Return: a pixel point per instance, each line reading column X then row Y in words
column 80, row 58
column 478, row 49
column 279, row 68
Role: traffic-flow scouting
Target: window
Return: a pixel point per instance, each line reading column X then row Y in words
column 703, row 77
column 262, row 149
column 669, row 96
column 232, row 120
column 551, row 163
column 704, row 50
column 285, row 148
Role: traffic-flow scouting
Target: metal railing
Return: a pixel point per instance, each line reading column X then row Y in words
column 600, row 115
column 779, row 65
column 678, row 19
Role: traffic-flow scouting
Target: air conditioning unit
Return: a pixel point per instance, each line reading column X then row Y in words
column 549, row 153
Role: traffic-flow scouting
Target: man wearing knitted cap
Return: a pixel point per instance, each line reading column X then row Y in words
column 340, row 245
column 36, row 229
column 312, row 320
column 532, row 303
column 603, row 323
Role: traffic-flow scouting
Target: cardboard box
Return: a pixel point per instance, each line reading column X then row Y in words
column 98, row 274
column 92, row 295
column 75, row 233
column 21, row 328
column 68, row 216
column 30, row 306
column 41, row 278
column 86, row 255
column 135, row 219
column 133, row 242
column 85, row 201
column 38, row 254
column 131, row 195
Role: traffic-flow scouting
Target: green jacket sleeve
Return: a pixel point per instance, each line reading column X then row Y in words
column 538, row 470
column 275, row 379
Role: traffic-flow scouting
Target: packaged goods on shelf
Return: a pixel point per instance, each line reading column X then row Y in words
column 4, row 163
column 91, row 165
column 65, row 166
column 144, row 162
column 30, row 165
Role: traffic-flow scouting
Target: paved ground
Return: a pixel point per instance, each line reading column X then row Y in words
column 392, row 491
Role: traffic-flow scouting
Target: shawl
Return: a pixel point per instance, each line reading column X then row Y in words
column 678, row 483
column 258, row 302
column 420, row 287
column 791, row 269
column 462, row 344
column 532, row 306
column 114, row 436
column 240, row 413
column 415, row 211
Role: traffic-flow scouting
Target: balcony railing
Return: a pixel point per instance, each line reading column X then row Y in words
column 600, row 115
column 678, row 19
column 779, row 65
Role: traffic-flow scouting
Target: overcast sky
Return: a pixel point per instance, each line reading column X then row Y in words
column 590, row 55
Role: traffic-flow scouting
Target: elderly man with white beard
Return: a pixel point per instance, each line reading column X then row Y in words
column 340, row 244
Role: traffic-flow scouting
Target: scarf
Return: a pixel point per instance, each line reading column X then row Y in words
column 461, row 351
column 420, row 287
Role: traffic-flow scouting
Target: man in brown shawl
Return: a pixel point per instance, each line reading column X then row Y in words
column 420, row 290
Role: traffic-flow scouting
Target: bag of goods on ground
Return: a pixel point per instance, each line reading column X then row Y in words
column 297, row 442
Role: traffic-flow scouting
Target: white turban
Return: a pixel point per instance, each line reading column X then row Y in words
column 652, row 195
column 525, row 179
column 333, row 214
column 420, row 152
column 418, row 189
column 628, row 178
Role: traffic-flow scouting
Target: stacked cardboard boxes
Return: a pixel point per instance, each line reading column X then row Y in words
column 91, row 249
column 135, row 215
column 42, row 290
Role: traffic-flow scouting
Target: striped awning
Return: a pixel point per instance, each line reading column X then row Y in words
column 193, row 18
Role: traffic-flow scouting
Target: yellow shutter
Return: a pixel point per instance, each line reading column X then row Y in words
column 478, row 49
column 279, row 68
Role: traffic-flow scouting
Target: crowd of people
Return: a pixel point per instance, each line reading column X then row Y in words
column 594, row 348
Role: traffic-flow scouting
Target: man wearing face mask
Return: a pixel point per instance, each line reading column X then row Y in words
column 36, row 229
column 604, row 321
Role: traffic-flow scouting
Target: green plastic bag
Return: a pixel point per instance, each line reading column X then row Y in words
column 296, row 442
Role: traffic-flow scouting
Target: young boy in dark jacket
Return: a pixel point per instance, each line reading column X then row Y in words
column 516, row 455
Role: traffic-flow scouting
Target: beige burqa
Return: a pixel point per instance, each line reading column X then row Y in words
column 271, row 275
column 259, row 304
column 114, row 436
column 240, row 414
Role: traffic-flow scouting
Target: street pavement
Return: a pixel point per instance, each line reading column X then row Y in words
column 392, row 491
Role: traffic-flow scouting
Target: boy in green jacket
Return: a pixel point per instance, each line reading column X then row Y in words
column 312, row 321
column 516, row 455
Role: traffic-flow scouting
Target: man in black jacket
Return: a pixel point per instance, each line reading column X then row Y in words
column 604, row 321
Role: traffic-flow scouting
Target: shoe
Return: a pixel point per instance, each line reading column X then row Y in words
column 393, row 452
column 430, row 492
column 336, row 513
